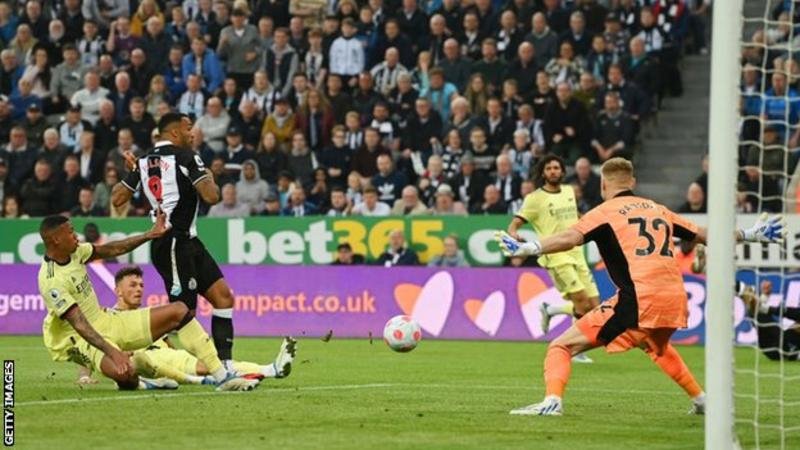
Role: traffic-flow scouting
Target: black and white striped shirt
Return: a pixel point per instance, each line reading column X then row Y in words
column 354, row 139
column 264, row 101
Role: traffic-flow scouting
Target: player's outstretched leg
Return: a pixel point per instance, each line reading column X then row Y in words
column 221, row 298
column 671, row 363
column 557, row 368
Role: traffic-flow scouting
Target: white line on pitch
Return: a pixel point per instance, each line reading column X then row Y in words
column 198, row 394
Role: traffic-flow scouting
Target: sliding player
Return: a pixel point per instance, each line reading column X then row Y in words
column 551, row 209
column 180, row 365
column 634, row 235
column 77, row 329
column 773, row 341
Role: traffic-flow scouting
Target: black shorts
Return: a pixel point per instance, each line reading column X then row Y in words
column 185, row 266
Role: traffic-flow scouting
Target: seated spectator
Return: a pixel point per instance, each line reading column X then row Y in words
column 409, row 204
column 235, row 154
column 385, row 73
column 544, row 40
column 22, row 99
column 339, row 207
column 526, row 188
column 6, row 187
column 524, row 68
column 587, row 93
column 316, row 119
column 477, row 94
column 482, row 154
column 102, row 192
column 90, row 97
column 140, row 122
column 40, row 195
column 439, row 93
column 452, row 153
column 461, row 119
column 297, row 205
column 69, row 184
column 20, row 156
column 251, row 190
column 578, row 36
column 337, row 158
column 34, row 123
column 230, row 205
column 11, row 208
column 641, row 68
column 346, row 257
column 204, row 61
column 431, row 179
column 695, row 200
column 66, row 78
column 121, row 43
column 319, row 191
column 173, row 74
column 72, row 127
column 599, row 57
column 214, row 123
column 567, row 67
column 272, row 206
column 248, row 121
column 388, row 182
column 140, row 73
column 469, row 184
column 91, row 161
column 270, row 158
column 490, row 66
column 281, row 123
column 86, row 207
column 452, row 256
column 445, row 204
column 506, row 180
column 566, row 126
column 634, row 101
column 301, row 160
column 764, row 172
column 10, row 73
column 193, row 100
column 521, row 154
column 398, row 253
column 587, row 180
column 389, row 130
column 456, row 68
column 511, row 100
column 498, row 128
column 354, row 135
column 613, row 131
column 106, row 128
column 354, row 191
column 492, row 202
column 371, row 206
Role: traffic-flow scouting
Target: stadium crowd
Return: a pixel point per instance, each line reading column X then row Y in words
column 332, row 107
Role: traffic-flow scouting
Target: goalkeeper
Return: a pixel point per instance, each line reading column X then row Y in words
column 776, row 343
column 164, row 360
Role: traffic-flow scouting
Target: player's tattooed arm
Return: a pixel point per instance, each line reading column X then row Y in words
column 121, row 247
column 120, row 195
column 207, row 189
column 75, row 317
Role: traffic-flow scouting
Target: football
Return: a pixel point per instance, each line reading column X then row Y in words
column 402, row 334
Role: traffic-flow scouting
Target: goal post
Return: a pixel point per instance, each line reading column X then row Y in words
column 723, row 168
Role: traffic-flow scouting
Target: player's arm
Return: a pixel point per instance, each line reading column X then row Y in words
column 116, row 248
column 75, row 317
column 202, row 179
column 207, row 189
column 766, row 229
column 559, row 242
column 513, row 227
column 124, row 190
column 85, row 376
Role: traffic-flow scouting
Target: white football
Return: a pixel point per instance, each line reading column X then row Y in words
column 402, row 333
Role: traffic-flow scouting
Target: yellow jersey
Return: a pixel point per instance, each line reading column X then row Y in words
column 550, row 213
column 61, row 287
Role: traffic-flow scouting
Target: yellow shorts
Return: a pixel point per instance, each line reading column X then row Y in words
column 573, row 278
column 180, row 360
column 125, row 330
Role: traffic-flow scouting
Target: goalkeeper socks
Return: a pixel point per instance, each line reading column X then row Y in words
column 196, row 341
column 565, row 308
column 222, row 330
column 557, row 367
column 672, row 364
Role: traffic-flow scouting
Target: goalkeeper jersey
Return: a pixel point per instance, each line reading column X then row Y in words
column 550, row 213
column 62, row 286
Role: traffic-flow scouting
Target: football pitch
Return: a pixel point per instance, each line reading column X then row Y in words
column 350, row 394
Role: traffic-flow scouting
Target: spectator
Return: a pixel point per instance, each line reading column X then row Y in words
column 270, row 158
column 121, row 41
column 240, row 47
column 248, row 121
column 354, row 189
column 156, row 95
column 156, row 45
column 347, row 57
column 482, row 154
column 471, row 36
column 567, row 67
column 445, row 204
column 341, row 102
column 262, row 94
column 365, row 97
column 6, row 187
column 456, row 68
column 20, row 156
column 439, row 93
column 193, row 100
column 522, row 154
column 613, row 131
column 65, row 79
column 506, row 181
column 386, row 73
column 409, row 204
column 388, row 181
column 203, row 62
column 527, row 187
column 315, row 60
column 272, row 206
column 214, row 123
column 106, row 128
column 230, row 205
column 251, row 190
column 615, row 35
column 282, row 62
column 543, row 95
column 477, row 94
column 103, row 12
column 588, row 181
column 235, row 154
column 11, row 71
column 297, row 205
column 91, row 161
column 69, row 184
column 469, row 184
column 217, row 168
column 509, row 36
column 337, row 158
column 695, row 200
column 346, row 257
column 452, row 255
column 102, row 192
column 34, row 124
column 492, row 202
column 315, row 119
column 339, row 206
column 23, row 43
column 524, row 68
column 642, row 69
column 397, row 253
column 52, row 149
column 764, row 171
column 578, row 37
column 8, row 22
column 301, row 161
column 116, row 157
column 635, row 102
column 543, row 39
column 140, row 122
column 587, row 93
column 365, row 160
column 566, row 123
column 11, row 208
column 40, row 194
column 173, row 73
column 22, row 99
column 431, row 179
column 90, row 96
column 309, row 10
column 299, row 89
column 86, row 207
column 371, row 206
column 122, row 95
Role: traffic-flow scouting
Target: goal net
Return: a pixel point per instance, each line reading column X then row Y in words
column 765, row 387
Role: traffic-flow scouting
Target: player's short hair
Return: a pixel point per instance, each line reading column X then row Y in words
column 168, row 120
column 617, row 169
column 538, row 171
column 126, row 272
column 50, row 223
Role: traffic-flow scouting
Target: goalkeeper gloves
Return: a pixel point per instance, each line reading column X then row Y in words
column 512, row 247
column 766, row 229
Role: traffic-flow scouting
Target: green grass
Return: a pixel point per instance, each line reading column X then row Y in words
column 348, row 394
